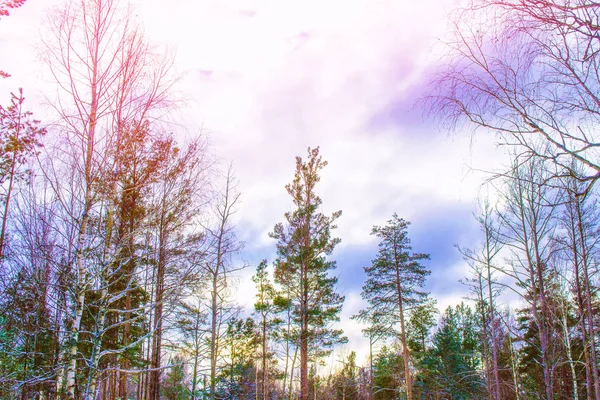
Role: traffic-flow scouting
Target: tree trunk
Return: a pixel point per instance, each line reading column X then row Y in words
column 79, row 305
column 494, row 338
column 304, row 338
column 213, row 338
column 155, row 372
column 265, row 377
column 570, row 353
column 588, row 301
column 8, row 196
column 580, row 303
column 403, row 332
column 291, row 383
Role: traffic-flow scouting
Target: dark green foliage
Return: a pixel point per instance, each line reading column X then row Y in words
column 387, row 373
column 395, row 264
column 28, row 335
column 451, row 368
column 530, row 356
column 173, row 387
column 422, row 319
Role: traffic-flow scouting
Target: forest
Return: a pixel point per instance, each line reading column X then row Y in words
column 120, row 249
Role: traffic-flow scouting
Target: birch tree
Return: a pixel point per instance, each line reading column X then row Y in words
column 526, row 70
column 107, row 80
column 529, row 223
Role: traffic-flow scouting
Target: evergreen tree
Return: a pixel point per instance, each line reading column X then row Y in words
column 422, row 319
column 20, row 137
column 237, row 380
column 302, row 265
column 346, row 380
column 387, row 373
column 173, row 387
column 265, row 309
column 395, row 281
column 454, row 359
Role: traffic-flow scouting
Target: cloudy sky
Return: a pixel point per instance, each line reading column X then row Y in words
column 265, row 79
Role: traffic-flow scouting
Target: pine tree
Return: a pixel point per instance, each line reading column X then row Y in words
column 395, row 281
column 265, row 309
column 302, row 265
column 20, row 137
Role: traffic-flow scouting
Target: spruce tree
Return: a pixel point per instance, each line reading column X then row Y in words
column 304, row 243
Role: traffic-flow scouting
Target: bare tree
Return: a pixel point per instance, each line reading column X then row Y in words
column 579, row 222
column 221, row 246
column 484, row 283
column 527, row 69
column 178, row 201
column 529, row 223
column 108, row 79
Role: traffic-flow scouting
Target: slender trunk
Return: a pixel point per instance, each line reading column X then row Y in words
column 195, row 374
column 124, row 361
column 155, row 373
column 8, row 196
column 580, row 304
column 148, row 342
column 371, row 377
column 535, row 275
column 94, row 361
column 196, row 352
column 514, row 367
column 588, row 301
column 544, row 340
column 215, row 306
column 486, row 352
column 304, row 337
column 494, row 338
column 25, row 388
column 287, row 345
column 213, row 338
column 291, row 383
column 304, row 267
column 81, row 284
column 402, row 330
column 79, row 306
column 406, row 352
column 570, row 353
column 265, row 377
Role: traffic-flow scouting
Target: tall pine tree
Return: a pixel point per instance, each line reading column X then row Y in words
column 304, row 243
column 396, row 277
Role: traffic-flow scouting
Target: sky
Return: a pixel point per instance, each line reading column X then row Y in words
column 266, row 79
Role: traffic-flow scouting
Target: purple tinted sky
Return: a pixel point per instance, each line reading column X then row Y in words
column 265, row 79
